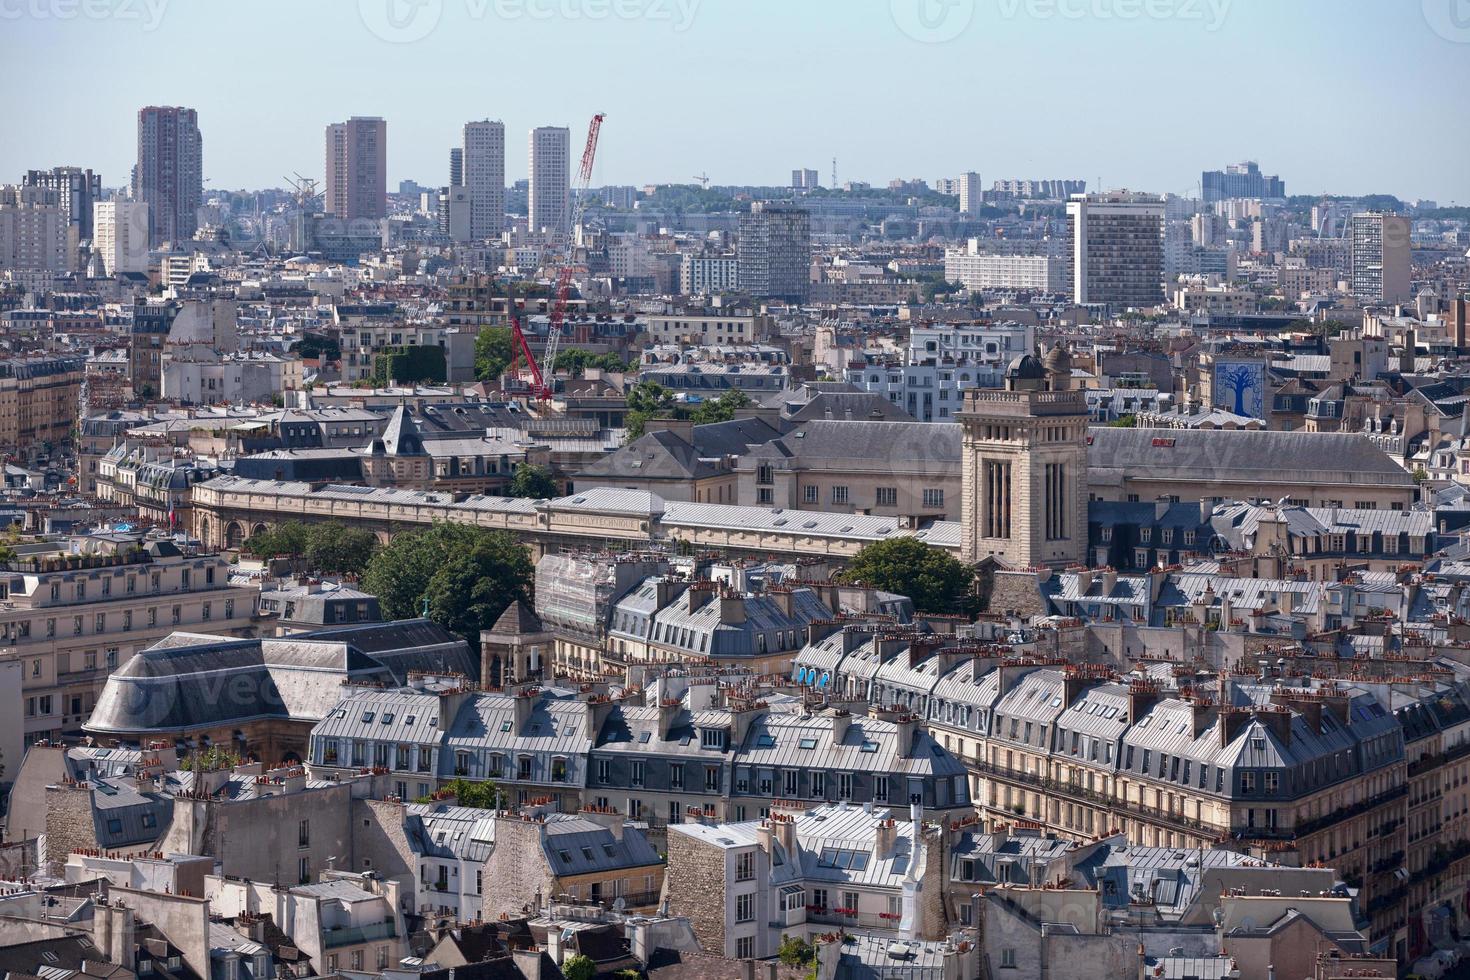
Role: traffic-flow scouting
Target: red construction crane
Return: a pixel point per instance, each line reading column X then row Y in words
column 519, row 345
column 564, row 274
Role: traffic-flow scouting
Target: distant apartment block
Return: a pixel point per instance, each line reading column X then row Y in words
column 714, row 327
column 705, row 274
column 971, row 194
column 621, row 197
column 32, row 230
column 1044, row 190
column 78, row 192
column 1380, row 257
column 989, row 266
column 169, row 177
column 484, row 177
column 357, row 168
column 1116, row 248
column 775, row 251
column 802, row 179
column 120, row 237
column 548, row 200
column 1239, row 180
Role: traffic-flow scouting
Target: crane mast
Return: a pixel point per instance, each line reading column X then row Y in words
column 564, row 274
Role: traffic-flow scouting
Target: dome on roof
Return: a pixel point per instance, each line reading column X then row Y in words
column 1027, row 367
column 1058, row 360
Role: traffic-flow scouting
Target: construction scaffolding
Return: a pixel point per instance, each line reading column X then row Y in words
column 576, row 592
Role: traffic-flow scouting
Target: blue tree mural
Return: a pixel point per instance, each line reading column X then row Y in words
column 1243, row 381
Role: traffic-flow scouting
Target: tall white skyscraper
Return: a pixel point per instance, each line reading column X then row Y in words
column 551, row 177
column 970, row 192
column 484, row 177
column 120, row 235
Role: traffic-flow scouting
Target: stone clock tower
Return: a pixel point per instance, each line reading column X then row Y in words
column 1025, row 467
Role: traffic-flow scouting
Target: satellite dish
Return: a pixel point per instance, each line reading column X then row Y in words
column 618, row 904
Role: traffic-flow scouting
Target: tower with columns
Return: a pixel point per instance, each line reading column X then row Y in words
column 1025, row 466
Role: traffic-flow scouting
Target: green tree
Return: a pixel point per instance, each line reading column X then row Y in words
column 485, row 795
column 493, row 349
column 575, row 361
column 467, row 576
column 572, row 360
column 720, row 409
column 336, row 549
column 938, row 289
column 533, row 482
column 795, row 951
column 579, row 967
column 936, row 581
column 288, row 540
column 1124, row 422
column 647, row 400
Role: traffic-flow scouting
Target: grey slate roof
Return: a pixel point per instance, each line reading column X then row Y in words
column 926, row 447
column 191, row 682
column 1240, row 456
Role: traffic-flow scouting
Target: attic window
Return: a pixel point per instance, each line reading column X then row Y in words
column 367, row 716
column 388, row 718
column 868, row 746
column 505, row 726
column 566, row 856
column 765, row 741
column 408, row 720
column 807, row 743
column 644, row 736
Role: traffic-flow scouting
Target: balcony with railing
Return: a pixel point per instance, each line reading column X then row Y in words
column 1316, row 824
column 1076, row 791
column 1426, row 763
column 851, row 918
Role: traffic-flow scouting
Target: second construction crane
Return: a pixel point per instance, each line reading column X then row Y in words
column 564, row 273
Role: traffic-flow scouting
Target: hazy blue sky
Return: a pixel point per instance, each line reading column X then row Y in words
column 1349, row 97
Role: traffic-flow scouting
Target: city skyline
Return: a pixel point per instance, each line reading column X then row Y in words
column 258, row 128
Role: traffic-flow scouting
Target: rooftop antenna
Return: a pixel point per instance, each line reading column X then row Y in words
column 834, row 173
